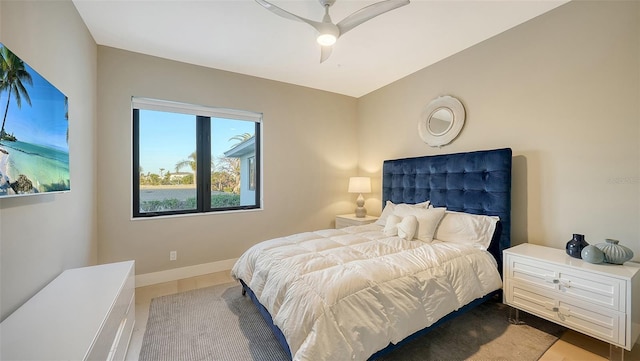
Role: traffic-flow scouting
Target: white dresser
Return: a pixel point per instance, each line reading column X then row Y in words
column 84, row 314
column 599, row 300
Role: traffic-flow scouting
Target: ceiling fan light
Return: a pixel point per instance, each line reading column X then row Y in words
column 326, row 39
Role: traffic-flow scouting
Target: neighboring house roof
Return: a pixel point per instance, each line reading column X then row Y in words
column 244, row 148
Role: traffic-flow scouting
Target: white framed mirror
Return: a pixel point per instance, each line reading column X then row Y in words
column 441, row 121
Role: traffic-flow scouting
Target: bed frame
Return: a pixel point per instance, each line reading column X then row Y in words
column 473, row 182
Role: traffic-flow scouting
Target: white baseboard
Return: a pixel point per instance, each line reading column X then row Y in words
column 183, row 272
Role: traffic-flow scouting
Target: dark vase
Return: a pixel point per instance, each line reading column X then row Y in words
column 575, row 245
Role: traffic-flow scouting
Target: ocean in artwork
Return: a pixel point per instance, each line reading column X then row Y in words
column 46, row 167
column 34, row 131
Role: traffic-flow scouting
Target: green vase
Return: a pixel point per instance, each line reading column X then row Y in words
column 592, row 254
column 615, row 253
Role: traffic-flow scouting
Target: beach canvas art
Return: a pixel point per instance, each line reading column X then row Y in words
column 34, row 138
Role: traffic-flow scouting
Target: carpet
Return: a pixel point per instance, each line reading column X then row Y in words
column 219, row 324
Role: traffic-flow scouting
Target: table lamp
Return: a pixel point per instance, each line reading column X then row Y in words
column 360, row 185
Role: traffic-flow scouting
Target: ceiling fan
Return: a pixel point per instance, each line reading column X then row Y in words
column 328, row 32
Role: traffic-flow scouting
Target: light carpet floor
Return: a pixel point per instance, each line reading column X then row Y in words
column 217, row 323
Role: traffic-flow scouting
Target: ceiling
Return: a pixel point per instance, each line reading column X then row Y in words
column 241, row 36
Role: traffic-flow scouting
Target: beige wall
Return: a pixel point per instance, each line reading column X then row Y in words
column 40, row 236
column 309, row 151
column 543, row 89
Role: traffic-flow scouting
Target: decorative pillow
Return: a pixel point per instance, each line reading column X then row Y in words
column 407, row 228
column 389, row 208
column 466, row 228
column 428, row 219
column 386, row 212
column 391, row 228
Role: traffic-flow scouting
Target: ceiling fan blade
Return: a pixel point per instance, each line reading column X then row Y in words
column 287, row 15
column 368, row 13
column 325, row 52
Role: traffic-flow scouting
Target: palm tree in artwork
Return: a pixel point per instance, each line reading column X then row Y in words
column 13, row 77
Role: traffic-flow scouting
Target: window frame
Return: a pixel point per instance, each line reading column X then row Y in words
column 203, row 115
column 251, row 163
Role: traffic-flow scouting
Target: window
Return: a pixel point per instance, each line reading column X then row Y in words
column 194, row 159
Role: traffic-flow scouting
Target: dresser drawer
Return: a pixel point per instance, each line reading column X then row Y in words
column 121, row 342
column 599, row 290
column 599, row 322
column 117, row 321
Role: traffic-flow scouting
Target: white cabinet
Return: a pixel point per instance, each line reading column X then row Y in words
column 84, row 314
column 599, row 300
column 347, row 220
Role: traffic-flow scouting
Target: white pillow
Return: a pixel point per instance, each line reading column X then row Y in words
column 428, row 219
column 466, row 228
column 389, row 208
column 407, row 228
column 391, row 228
column 386, row 212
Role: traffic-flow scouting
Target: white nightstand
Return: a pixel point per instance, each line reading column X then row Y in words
column 599, row 300
column 346, row 220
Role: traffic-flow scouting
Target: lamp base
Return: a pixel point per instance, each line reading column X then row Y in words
column 361, row 212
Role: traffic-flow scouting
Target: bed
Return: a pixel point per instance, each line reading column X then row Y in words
column 360, row 292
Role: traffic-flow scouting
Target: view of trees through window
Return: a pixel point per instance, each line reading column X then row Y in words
column 172, row 179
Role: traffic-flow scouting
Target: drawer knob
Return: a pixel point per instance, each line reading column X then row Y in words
column 551, row 307
column 551, row 279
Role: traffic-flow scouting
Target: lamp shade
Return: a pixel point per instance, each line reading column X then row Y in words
column 359, row 185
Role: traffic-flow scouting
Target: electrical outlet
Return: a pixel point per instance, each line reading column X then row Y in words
column 173, row 255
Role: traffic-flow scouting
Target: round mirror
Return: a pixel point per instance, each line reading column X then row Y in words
column 441, row 121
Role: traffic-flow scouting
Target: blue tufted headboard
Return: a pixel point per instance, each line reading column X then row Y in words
column 474, row 182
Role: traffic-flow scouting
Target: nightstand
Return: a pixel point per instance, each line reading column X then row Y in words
column 346, row 220
column 599, row 300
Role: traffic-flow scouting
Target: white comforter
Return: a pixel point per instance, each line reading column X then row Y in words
column 341, row 294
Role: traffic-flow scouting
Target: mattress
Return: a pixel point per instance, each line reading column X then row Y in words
column 347, row 293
